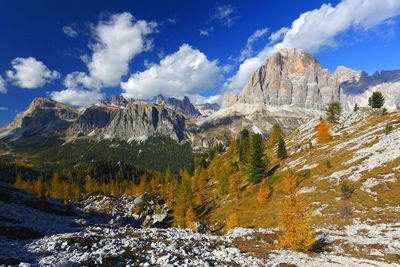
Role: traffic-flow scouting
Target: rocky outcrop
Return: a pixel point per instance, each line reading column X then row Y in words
column 114, row 100
column 296, row 78
column 42, row 115
column 183, row 106
column 207, row 109
column 135, row 120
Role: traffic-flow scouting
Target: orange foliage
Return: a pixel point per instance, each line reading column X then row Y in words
column 232, row 221
column 297, row 232
column 323, row 133
column 263, row 193
column 191, row 219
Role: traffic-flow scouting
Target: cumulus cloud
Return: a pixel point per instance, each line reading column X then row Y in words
column 318, row 28
column 69, row 31
column 77, row 97
column 225, row 14
column 199, row 99
column 3, row 88
column 30, row 73
column 248, row 50
column 185, row 72
column 117, row 40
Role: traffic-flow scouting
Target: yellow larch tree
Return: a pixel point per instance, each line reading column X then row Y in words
column 297, row 232
column 232, row 221
column 234, row 184
column 191, row 218
column 264, row 192
column 323, row 134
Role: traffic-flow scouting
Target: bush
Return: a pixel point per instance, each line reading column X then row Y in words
column 388, row 128
column 355, row 108
column 384, row 111
column 347, row 189
column 328, row 164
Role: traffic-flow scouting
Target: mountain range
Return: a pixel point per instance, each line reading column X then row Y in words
column 291, row 88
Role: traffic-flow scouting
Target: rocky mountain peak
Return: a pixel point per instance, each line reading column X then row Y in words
column 292, row 61
column 160, row 100
column 114, row 100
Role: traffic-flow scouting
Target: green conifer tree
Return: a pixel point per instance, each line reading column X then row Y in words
column 256, row 165
column 282, row 153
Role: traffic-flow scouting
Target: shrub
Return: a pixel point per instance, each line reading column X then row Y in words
column 328, row 164
column 388, row 128
column 347, row 189
column 384, row 111
column 355, row 108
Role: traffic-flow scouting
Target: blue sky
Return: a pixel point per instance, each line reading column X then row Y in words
column 79, row 51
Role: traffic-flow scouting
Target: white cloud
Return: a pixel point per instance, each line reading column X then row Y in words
column 3, row 88
column 117, row 40
column 77, row 97
column 199, row 99
column 225, row 15
column 185, row 72
column 318, row 28
column 278, row 35
column 3, row 108
column 206, row 32
column 69, row 31
column 248, row 50
column 30, row 73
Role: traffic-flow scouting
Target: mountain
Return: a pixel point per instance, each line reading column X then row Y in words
column 207, row 109
column 295, row 78
column 290, row 89
column 181, row 106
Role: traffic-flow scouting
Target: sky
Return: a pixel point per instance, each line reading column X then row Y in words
column 78, row 52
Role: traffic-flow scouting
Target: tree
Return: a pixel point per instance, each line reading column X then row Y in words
column 297, row 232
column 18, row 182
column 333, row 112
column 244, row 144
column 376, row 100
column 276, row 134
column 282, row 153
column 191, row 218
column 323, row 133
column 355, row 109
column 256, row 165
column 234, row 184
column 263, row 193
column 232, row 221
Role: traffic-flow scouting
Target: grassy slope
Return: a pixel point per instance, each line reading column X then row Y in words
column 377, row 189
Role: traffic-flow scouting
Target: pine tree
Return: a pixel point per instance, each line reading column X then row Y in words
column 323, row 134
column 276, row 134
column 39, row 187
column 256, row 165
column 263, row 193
column 297, row 232
column 244, row 144
column 333, row 112
column 281, row 153
column 355, row 109
column 376, row 100
column 232, row 222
